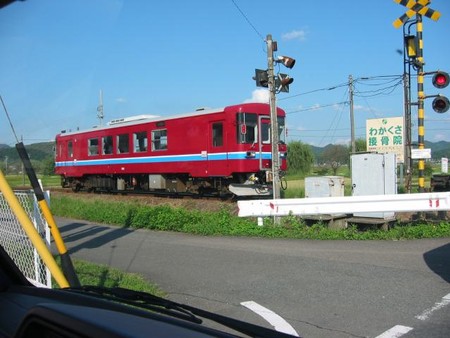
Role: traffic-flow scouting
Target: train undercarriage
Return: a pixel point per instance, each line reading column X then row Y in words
column 239, row 185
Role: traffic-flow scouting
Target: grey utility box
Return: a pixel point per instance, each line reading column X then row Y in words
column 324, row 186
column 374, row 174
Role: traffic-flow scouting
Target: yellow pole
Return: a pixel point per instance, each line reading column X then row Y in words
column 66, row 261
column 32, row 233
column 420, row 103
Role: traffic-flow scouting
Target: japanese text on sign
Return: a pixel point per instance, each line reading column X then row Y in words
column 386, row 136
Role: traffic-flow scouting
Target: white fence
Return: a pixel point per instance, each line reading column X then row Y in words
column 17, row 244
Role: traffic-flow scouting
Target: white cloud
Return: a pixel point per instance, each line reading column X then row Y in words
column 440, row 137
column 121, row 100
column 259, row 95
column 295, row 35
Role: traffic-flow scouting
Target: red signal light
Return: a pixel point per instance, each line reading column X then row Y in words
column 440, row 79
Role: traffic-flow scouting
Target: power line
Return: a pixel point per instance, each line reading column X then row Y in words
column 317, row 107
column 380, row 91
column 315, row 90
column 360, row 80
column 248, row 20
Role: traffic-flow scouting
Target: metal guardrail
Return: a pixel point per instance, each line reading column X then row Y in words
column 438, row 201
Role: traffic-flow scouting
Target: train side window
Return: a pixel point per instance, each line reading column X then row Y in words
column 140, row 141
column 70, row 149
column 107, row 145
column 217, row 134
column 123, row 144
column 93, row 146
column 159, row 139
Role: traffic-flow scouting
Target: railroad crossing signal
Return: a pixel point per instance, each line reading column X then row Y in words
column 441, row 79
column 415, row 7
column 261, row 77
column 282, row 82
column 414, row 51
column 441, row 103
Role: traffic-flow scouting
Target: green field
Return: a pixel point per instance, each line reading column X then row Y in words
column 22, row 181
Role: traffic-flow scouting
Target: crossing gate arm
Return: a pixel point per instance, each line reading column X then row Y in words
column 438, row 201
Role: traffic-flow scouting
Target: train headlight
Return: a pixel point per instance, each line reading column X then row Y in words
column 250, row 154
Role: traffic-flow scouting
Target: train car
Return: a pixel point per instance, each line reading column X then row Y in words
column 209, row 151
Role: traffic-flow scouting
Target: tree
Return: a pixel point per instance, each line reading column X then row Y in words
column 334, row 156
column 360, row 145
column 48, row 166
column 300, row 158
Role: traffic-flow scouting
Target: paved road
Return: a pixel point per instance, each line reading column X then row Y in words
column 321, row 288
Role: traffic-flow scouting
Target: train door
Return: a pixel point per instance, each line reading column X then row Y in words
column 217, row 154
column 264, row 147
column 64, row 152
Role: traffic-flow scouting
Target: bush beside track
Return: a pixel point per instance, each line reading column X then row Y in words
column 220, row 220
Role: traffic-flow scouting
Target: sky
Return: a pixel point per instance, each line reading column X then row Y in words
column 172, row 57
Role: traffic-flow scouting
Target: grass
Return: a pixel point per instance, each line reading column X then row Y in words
column 105, row 276
column 16, row 181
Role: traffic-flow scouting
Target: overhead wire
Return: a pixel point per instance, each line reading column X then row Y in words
column 386, row 84
column 248, row 20
column 337, row 117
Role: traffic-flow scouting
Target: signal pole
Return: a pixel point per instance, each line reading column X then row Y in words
column 276, row 184
column 275, row 84
column 418, row 8
column 420, row 102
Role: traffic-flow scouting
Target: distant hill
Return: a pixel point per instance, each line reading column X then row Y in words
column 438, row 149
column 36, row 151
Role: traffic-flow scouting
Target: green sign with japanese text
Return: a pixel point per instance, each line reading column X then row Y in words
column 385, row 135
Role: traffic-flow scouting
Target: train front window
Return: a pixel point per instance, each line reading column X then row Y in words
column 247, row 128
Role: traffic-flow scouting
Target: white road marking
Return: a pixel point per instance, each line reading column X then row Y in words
column 395, row 332
column 275, row 320
column 438, row 305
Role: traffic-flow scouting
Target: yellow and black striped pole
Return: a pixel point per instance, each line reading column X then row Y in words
column 420, row 102
column 418, row 8
column 66, row 262
column 32, row 233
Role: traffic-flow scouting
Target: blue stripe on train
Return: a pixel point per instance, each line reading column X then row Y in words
column 162, row 159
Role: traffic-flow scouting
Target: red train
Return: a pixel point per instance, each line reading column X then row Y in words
column 210, row 151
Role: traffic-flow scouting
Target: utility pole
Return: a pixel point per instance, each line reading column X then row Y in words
column 100, row 114
column 275, row 84
column 352, row 117
column 276, row 184
column 407, row 126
